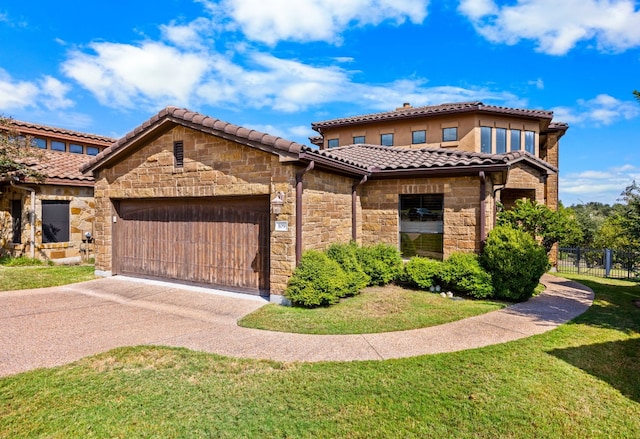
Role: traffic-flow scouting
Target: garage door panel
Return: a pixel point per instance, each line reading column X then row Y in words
column 224, row 243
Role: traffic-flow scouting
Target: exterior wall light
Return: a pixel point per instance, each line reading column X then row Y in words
column 277, row 203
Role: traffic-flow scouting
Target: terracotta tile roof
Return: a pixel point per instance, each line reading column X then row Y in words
column 431, row 110
column 62, row 167
column 35, row 129
column 200, row 122
column 375, row 158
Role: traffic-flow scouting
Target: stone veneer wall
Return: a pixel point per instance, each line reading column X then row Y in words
column 380, row 201
column 213, row 167
column 522, row 176
column 81, row 218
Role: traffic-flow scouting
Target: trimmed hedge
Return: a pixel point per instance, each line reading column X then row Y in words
column 462, row 273
column 422, row 272
column 316, row 281
column 516, row 263
column 382, row 263
column 347, row 256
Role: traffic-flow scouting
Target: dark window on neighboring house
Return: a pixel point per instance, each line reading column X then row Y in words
column 16, row 221
column 419, row 136
column 39, row 143
column 421, row 225
column 515, row 140
column 55, row 221
column 333, row 143
column 92, row 150
column 358, row 139
column 178, row 154
column 485, row 140
column 74, row 148
column 386, row 139
column 449, row 134
column 501, row 140
column 58, row 146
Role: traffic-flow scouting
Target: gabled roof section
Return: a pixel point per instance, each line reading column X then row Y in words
column 408, row 112
column 172, row 116
column 379, row 160
column 34, row 129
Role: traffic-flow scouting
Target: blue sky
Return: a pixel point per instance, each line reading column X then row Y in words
column 278, row 65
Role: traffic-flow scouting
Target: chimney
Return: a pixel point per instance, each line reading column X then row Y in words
column 405, row 106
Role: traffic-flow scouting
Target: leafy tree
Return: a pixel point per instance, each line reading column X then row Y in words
column 546, row 225
column 590, row 217
column 612, row 234
column 17, row 156
column 631, row 219
column 636, row 93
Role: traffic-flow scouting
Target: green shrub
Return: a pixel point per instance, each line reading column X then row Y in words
column 382, row 263
column 347, row 256
column 462, row 272
column 316, row 281
column 423, row 272
column 515, row 261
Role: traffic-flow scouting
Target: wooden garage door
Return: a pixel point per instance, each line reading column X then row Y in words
column 218, row 242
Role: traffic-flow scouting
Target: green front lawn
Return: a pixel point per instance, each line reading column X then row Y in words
column 26, row 277
column 376, row 309
column 578, row 381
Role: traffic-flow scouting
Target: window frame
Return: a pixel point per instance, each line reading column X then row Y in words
column 486, row 145
column 359, row 140
column 76, row 145
column 386, row 136
column 16, row 221
column 448, row 130
column 501, row 140
column 421, row 225
column 423, row 138
column 55, row 146
column 59, row 210
column 530, row 142
column 511, row 138
column 39, row 142
column 90, row 149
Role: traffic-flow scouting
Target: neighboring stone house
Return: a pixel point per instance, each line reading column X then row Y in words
column 191, row 198
column 49, row 219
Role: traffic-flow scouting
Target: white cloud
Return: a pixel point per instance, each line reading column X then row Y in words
column 192, row 35
column 557, row 26
column 129, row 75
column 271, row 21
column 601, row 110
column 603, row 186
column 16, row 95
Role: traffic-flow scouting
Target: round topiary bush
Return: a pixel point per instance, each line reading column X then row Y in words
column 382, row 263
column 423, row 272
column 346, row 256
column 462, row 272
column 515, row 261
column 316, row 281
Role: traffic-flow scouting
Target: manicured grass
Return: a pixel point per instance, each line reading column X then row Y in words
column 376, row 309
column 23, row 277
column 578, row 381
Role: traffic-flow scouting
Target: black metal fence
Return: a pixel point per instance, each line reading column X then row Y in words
column 618, row 264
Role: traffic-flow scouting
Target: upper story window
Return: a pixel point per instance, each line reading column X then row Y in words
column 419, row 136
column 92, row 150
column 39, row 142
column 386, row 139
column 501, row 140
column 485, row 139
column 450, row 134
column 358, row 139
column 333, row 143
column 516, row 135
column 58, row 146
column 529, row 142
column 75, row 148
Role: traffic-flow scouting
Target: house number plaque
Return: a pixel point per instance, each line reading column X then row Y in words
column 282, row 226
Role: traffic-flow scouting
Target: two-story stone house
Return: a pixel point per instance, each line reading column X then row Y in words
column 49, row 219
column 195, row 199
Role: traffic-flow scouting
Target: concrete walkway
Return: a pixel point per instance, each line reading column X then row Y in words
column 54, row 326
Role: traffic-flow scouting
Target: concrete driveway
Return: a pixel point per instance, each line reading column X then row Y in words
column 54, row 326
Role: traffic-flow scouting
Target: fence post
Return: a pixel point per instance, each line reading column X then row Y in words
column 607, row 262
column 578, row 260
